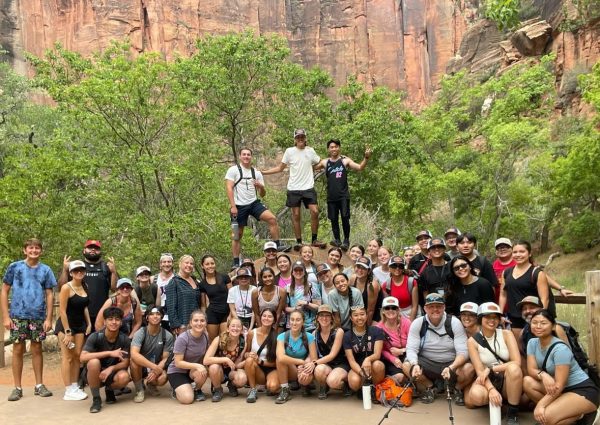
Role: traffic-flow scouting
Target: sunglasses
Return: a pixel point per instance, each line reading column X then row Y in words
column 396, row 266
column 78, row 271
column 422, row 238
column 126, row 287
column 462, row 266
column 390, row 307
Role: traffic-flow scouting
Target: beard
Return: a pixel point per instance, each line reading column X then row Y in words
column 92, row 257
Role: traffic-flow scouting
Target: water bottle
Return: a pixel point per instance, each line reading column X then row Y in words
column 235, row 229
column 71, row 345
column 495, row 414
column 366, row 393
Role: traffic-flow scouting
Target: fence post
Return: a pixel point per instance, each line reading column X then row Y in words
column 592, row 288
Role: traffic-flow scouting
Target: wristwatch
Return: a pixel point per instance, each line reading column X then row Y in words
column 67, row 331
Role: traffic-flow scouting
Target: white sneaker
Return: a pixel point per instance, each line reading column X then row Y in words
column 71, row 395
column 81, row 392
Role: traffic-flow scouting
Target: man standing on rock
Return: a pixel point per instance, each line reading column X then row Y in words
column 301, row 185
column 244, row 184
column 338, row 195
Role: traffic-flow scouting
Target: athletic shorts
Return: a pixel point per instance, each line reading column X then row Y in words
column 391, row 369
column 255, row 209
column 586, row 389
column 26, row 329
column 431, row 369
column 336, row 208
column 178, row 379
column 267, row 369
column 109, row 381
column 297, row 197
column 215, row 317
column 341, row 365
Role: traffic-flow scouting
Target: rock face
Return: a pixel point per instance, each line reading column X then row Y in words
column 402, row 44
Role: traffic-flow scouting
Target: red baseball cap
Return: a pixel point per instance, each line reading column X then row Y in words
column 92, row 242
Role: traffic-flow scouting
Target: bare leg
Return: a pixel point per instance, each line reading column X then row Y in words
column 314, row 218
column 37, row 360
column 271, row 221
column 296, row 222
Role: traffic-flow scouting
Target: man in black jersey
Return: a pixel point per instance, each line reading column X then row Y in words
column 338, row 194
column 467, row 243
column 100, row 276
column 417, row 263
column 435, row 277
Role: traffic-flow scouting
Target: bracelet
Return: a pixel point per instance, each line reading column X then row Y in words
column 490, row 389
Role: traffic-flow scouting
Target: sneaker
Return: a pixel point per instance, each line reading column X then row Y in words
column 318, row 244
column 110, row 396
column 345, row 246
column 121, row 391
column 297, row 246
column 306, row 391
column 153, row 390
column 284, row 395
column 428, row 396
column 335, row 243
column 323, row 390
column 252, row 396
column 42, row 391
column 74, row 394
column 199, row 395
column 512, row 420
column 96, row 405
column 173, row 395
column 282, row 247
column 346, row 390
column 459, row 397
column 294, row 386
column 233, row 391
column 261, row 388
column 15, row 394
column 139, row 397
column 217, row 395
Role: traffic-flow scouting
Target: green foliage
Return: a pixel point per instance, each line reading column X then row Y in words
column 505, row 13
column 581, row 232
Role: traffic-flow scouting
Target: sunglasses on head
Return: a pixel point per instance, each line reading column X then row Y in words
column 462, row 266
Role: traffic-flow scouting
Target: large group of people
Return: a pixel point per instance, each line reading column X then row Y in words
column 437, row 315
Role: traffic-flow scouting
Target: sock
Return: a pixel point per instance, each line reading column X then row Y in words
column 286, row 385
column 19, row 388
column 37, row 386
column 513, row 410
column 74, row 385
column 299, row 240
column 95, row 392
column 314, row 237
column 139, row 386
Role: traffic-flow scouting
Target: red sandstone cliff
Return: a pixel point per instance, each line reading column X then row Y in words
column 403, row 44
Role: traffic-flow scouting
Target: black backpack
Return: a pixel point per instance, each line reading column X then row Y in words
column 579, row 353
column 425, row 327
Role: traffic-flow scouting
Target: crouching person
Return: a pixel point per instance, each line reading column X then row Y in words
column 107, row 355
column 150, row 349
column 437, row 349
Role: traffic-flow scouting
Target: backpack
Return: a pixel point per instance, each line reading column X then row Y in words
column 579, row 353
column 425, row 327
column 387, row 285
column 163, row 338
column 387, row 390
column 252, row 170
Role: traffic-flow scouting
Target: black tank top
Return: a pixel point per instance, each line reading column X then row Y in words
column 337, row 180
column 324, row 347
column 75, row 313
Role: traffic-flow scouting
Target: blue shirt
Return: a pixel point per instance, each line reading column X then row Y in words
column 314, row 294
column 29, row 286
column 295, row 348
column 561, row 355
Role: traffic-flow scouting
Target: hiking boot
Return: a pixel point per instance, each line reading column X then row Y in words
column 233, row 391
column 42, row 391
column 173, row 395
column 217, row 395
column 110, row 396
column 139, row 397
column 199, row 395
column 294, row 386
column 335, row 243
column 345, row 246
column 96, row 405
column 428, row 396
column 284, row 395
column 459, row 397
column 261, row 388
column 153, row 390
column 15, row 394
column 282, row 247
column 252, row 396
column 121, row 391
column 323, row 390
column 318, row 244
column 512, row 420
column 346, row 390
column 306, row 391
column 297, row 246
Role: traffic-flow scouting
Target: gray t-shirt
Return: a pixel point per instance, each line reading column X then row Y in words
column 152, row 346
column 342, row 305
column 193, row 350
column 437, row 345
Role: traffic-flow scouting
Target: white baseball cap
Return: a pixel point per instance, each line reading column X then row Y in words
column 270, row 245
column 77, row 264
column 390, row 301
column 142, row 269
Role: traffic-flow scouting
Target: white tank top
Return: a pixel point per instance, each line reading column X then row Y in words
column 256, row 346
column 497, row 344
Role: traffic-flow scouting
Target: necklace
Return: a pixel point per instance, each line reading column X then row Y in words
column 244, row 299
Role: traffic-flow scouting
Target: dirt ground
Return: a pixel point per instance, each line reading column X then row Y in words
column 336, row 409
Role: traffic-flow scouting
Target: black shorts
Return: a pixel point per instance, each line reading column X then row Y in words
column 586, row 389
column 391, row 369
column 255, row 209
column 178, row 379
column 341, row 365
column 76, row 328
column 109, row 381
column 297, row 197
column 431, row 369
column 335, row 208
column 267, row 369
column 215, row 317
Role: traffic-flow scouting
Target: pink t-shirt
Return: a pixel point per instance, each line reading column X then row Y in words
column 283, row 282
column 394, row 338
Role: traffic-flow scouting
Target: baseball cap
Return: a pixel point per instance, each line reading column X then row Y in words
column 469, row 307
column 142, row 269
column 436, row 242
column 489, row 308
column 324, row 308
column 452, row 230
column 123, row 282
column 530, row 299
column 77, row 264
column 423, row 233
column 154, row 309
column 241, row 272
column 299, row 132
column 434, row 298
column 363, row 262
column 298, row 265
column 270, row 245
column 321, row 268
column 247, row 262
column 396, row 259
column 92, row 242
column 390, row 301
column 502, row 241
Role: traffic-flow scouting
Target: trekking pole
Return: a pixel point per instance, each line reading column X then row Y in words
column 396, row 400
column 449, row 398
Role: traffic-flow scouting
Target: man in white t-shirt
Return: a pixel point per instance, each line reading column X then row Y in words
column 301, row 185
column 244, row 184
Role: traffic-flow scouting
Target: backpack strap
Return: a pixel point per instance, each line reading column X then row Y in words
column 252, row 170
column 480, row 339
column 425, row 327
column 543, row 368
column 411, row 284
